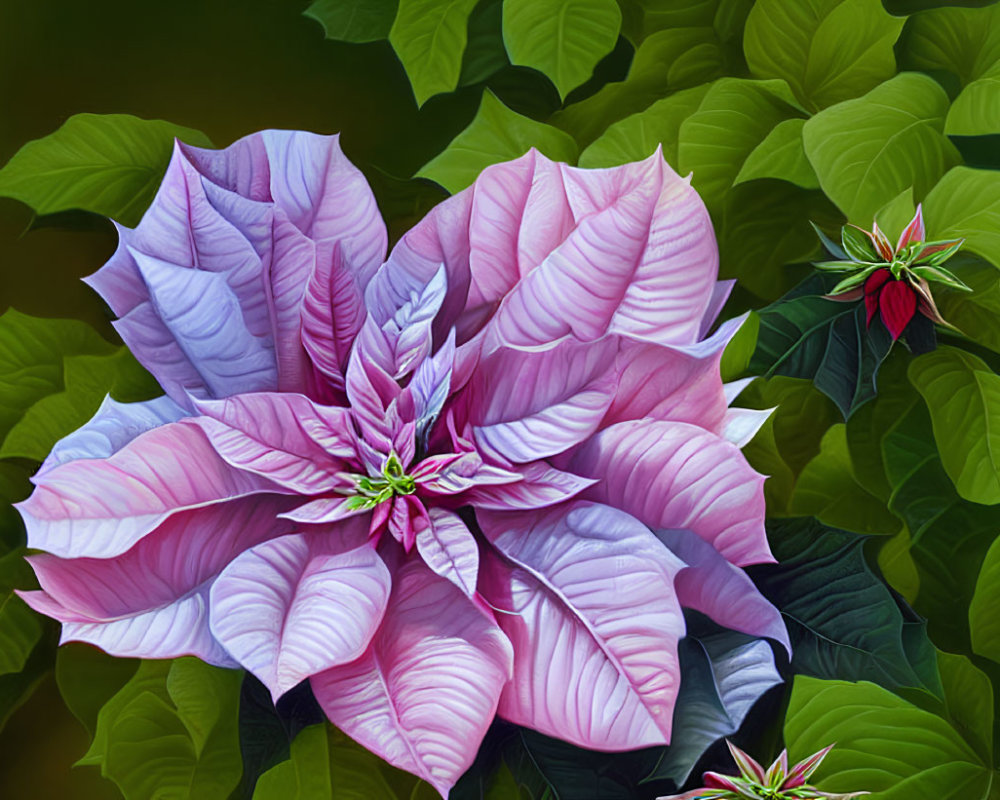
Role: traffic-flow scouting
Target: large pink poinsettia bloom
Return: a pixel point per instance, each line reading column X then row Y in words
column 482, row 476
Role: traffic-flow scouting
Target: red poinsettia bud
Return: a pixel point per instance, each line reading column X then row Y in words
column 873, row 287
column 898, row 303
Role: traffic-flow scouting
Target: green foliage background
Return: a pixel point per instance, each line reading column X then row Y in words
column 884, row 494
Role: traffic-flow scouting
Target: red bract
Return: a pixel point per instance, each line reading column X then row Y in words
column 895, row 299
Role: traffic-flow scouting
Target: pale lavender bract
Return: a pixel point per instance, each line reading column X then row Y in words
column 533, row 350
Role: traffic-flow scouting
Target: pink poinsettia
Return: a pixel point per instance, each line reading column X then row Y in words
column 439, row 486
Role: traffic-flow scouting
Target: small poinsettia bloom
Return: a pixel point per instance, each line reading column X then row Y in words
column 777, row 782
column 894, row 281
column 481, row 476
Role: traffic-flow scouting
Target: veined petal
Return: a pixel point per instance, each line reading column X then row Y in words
column 285, row 438
column 448, row 547
column 179, row 629
column 641, row 261
column 192, row 337
column 531, row 405
column 720, row 294
column 740, row 425
column 676, row 475
column 681, row 383
column 426, row 690
column 720, row 590
column 594, row 621
column 112, row 427
column 297, row 605
column 102, row 507
column 540, row 485
column 184, row 553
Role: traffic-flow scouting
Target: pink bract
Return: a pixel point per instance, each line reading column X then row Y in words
column 481, row 476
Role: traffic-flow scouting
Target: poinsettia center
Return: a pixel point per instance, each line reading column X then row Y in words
column 370, row 491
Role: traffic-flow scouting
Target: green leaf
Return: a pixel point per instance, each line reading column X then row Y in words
column 57, row 373
column 897, row 565
column 829, row 490
column 828, row 341
column 429, row 37
column 781, row 155
column 734, row 117
column 965, row 204
column 110, row 164
column 724, row 674
column 637, row 136
column 827, row 50
column 171, row 731
column 968, row 702
column 667, row 62
column 87, row 678
column 948, row 537
column 976, row 313
column 843, row 621
column 354, row 20
column 20, row 627
column 963, row 396
column 495, row 134
column 868, row 150
column 976, row 111
column 736, row 356
column 884, row 744
column 984, row 610
column 325, row 763
column 962, row 41
column 484, row 52
column 562, row 39
column 763, row 228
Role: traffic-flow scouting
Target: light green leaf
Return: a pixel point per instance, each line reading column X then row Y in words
column 171, row 731
column 885, row 745
column 562, row 39
column 429, row 38
column 975, row 313
column 868, row 150
column 109, row 164
column 495, row 134
column 968, row 702
column 963, row 396
column 781, row 155
column 354, row 20
column 965, row 204
column 734, row 117
column 976, row 111
column 827, row 50
column 736, row 356
column 637, row 136
column 984, row 611
column 829, row 490
column 20, row 627
column 56, row 373
column 898, row 567
column 963, row 41
column 896, row 214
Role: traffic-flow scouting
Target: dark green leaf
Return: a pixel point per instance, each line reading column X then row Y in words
column 87, row 678
column 484, row 52
column 20, row 627
column 110, row 164
column 843, row 621
column 354, row 20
